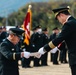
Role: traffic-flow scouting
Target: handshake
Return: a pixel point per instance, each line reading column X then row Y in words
column 39, row 53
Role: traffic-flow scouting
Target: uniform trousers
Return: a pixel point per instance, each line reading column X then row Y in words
column 73, row 69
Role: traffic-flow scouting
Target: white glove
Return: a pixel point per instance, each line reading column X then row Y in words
column 26, row 54
column 54, row 50
column 24, row 50
column 41, row 51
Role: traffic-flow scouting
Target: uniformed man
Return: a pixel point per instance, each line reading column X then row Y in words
column 63, row 53
column 9, row 53
column 25, row 62
column 54, row 56
column 44, row 58
column 68, row 34
column 4, row 33
column 36, row 43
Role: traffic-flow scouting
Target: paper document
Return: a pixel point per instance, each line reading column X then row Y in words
column 33, row 54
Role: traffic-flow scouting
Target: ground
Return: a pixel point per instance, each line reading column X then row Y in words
column 62, row 69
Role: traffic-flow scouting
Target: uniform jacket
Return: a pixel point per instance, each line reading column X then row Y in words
column 52, row 36
column 45, row 39
column 9, row 56
column 69, row 35
column 36, row 41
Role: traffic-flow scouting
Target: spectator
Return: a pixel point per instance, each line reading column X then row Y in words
column 44, row 58
column 54, row 56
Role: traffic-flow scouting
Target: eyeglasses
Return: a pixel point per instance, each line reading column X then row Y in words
column 16, row 35
column 19, row 36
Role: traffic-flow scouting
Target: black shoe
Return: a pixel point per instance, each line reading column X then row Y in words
column 56, row 63
column 27, row 67
column 44, row 65
column 37, row 65
column 61, row 61
column 65, row 62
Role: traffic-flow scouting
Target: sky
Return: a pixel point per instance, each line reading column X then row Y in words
column 9, row 6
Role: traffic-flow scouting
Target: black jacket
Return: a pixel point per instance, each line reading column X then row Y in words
column 45, row 39
column 9, row 65
column 68, row 34
column 36, row 41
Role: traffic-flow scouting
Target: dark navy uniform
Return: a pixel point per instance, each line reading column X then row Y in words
column 25, row 62
column 63, row 53
column 8, row 62
column 54, row 56
column 44, row 58
column 9, row 56
column 52, row 36
column 68, row 34
column 4, row 35
column 36, row 43
column 68, row 28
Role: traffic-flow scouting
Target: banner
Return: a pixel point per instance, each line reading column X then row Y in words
column 27, row 25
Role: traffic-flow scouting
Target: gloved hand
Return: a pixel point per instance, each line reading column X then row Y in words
column 26, row 54
column 24, row 49
column 41, row 51
column 54, row 50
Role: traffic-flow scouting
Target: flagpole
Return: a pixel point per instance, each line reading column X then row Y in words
column 29, row 9
column 30, row 6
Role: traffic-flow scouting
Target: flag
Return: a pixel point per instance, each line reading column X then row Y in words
column 27, row 25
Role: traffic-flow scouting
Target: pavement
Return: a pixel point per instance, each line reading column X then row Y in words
column 62, row 69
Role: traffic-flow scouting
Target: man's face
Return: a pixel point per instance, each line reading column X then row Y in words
column 15, row 39
column 56, row 31
column 60, row 18
column 39, row 30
